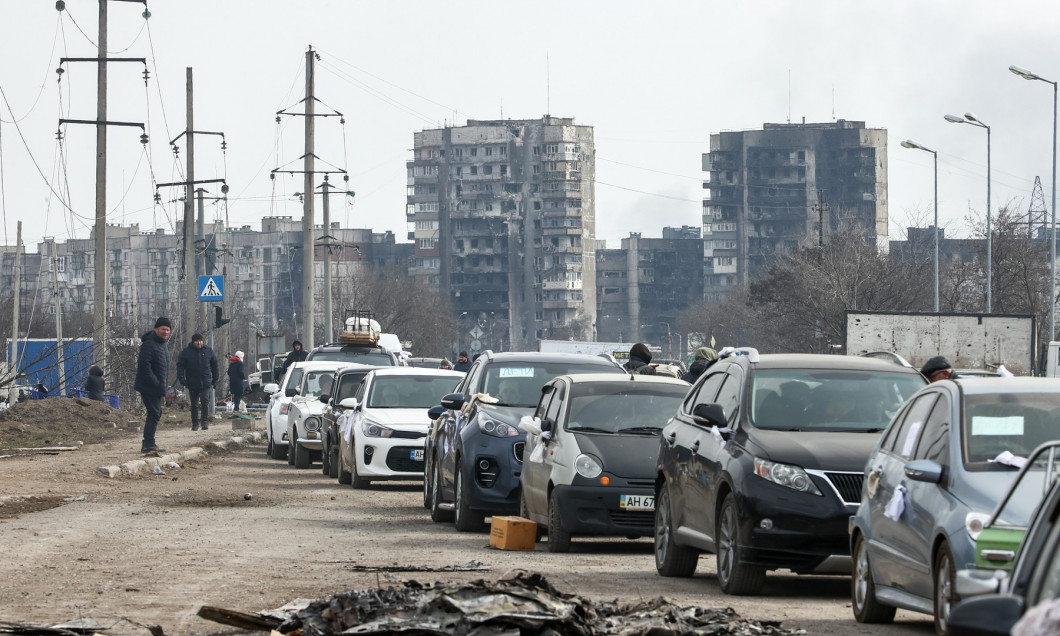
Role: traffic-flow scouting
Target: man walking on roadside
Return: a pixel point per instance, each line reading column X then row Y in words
column 197, row 370
column 152, row 371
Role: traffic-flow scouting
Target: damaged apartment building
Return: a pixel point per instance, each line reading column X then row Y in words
column 786, row 186
column 502, row 213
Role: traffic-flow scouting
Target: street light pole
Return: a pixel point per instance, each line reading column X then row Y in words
column 970, row 118
column 1027, row 75
column 909, row 143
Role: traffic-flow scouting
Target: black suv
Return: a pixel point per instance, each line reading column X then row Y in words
column 375, row 356
column 764, row 461
column 474, row 450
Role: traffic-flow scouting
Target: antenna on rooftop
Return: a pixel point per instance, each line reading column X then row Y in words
column 789, row 95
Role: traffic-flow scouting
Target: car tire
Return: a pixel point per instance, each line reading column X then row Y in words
column 945, row 594
column 290, row 448
column 671, row 559
column 427, row 488
column 278, row 451
column 358, row 482
column 863, row 590
column 345, row 477
column 558, row 538
column 465, row 520
column 271, row 448
column 333, row 461
column 734, row 577
column 325, row 459
column 302, row 456
column 524, row 512
column 437, row 514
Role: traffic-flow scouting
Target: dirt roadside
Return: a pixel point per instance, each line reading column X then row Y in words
column 150, row 550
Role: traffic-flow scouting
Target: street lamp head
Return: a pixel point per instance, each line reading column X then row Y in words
column 909, row 143
column 972, row 117
column 954, row 119
column 1024, row 73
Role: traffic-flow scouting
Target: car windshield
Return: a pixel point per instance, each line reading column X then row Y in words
column 519, row 383
column 348, row 384
column 318, row 383
column 1022, row 500
column 376, row 358
column 994, row 423
column 829, row 399
column 612, row 407
column 409, row 391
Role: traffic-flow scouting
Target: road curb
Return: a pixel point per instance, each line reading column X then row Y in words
column 149, row 463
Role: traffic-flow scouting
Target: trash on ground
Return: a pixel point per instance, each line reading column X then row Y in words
column 470, row 566
column 524, row 603
column 76, row 626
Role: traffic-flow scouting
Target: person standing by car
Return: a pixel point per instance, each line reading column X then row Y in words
column 152, row 371
column 298, row 354
column 94, row 383
column 703, row 358
column 640, row 360
column 938, row 368
column 463, row 363
column 197, row 370
column 236, row 378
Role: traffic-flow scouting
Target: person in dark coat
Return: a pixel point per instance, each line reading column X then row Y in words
column 938, row 368
column 197, row 370
column 152, row 372
column 640, row 360
column 236, row 377
column 298, row 354
column 94, row 383
column 703, row 358
column 463, row 363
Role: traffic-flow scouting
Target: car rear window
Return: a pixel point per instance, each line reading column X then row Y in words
column 520, row 382
column 829, row 399
column 408, row 392
column 616, row 406
column 1014, row 422
column 360, row 357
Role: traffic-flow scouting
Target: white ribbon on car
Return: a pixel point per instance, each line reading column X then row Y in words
column 1008, row 459
column 345, row 422
column 718, row 437
column 899, row 505
column 530, row 424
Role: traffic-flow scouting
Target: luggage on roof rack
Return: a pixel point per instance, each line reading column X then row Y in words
column 360, row 327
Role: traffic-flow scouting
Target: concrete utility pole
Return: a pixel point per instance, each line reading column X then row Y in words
column 58, row 316
column 13, row 359
column 329, row 331
column 191, row 282
column 200, row 262
column 99, row 298
column 308, row 313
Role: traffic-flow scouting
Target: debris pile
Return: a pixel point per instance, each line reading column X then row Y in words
column 60, row 419
column 525, row 603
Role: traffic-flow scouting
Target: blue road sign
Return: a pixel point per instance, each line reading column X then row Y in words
column 211, row 288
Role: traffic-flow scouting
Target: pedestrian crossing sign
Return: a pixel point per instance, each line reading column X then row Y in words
column 211, row 288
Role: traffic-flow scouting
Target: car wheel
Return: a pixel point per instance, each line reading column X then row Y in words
column 466, row 520
column 734, row 577
column 325, row 459
column 863, row 590
column 270, row 449
column 426, row 489
column 437, row 514
column 302, row 456
column 278, row 451
column 333, row 461
column 345, row 477
column 945, row 594
column 524, row 512
column 290, row 448
column 558, row 538
column 358, row 482
column 670, row 559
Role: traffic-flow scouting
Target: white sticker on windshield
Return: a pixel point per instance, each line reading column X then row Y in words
column 910, row 439
column 517, row 372
column 1012, row 425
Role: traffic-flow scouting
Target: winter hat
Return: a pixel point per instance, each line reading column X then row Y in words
column 463, row 354
column 196, row 337
column 163, row 322
column 297, row 343
column 239, row 354
column 95, row 370
column 706, row 353
column 938, row 363
column 640, row 350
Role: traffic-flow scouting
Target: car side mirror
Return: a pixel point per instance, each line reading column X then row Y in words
column 325, row 398
column 971, row 583
column 546, row 425
column 985, row 615
column 271, row 388
column 291, row 392
column 435, row 412
column 710, row 415
column 453, row 401
column 348, row 403
column 924, row 470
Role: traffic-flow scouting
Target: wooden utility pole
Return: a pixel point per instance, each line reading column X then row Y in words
column 308, row 245
column 99, row 298
column 191, row 282
column 57, row 297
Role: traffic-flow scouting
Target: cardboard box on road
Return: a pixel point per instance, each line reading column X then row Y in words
column 513, row 533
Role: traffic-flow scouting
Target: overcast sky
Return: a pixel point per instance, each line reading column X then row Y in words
column 653, row 79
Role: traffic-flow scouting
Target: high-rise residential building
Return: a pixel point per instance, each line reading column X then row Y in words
column 503, row 217
column 785, row 186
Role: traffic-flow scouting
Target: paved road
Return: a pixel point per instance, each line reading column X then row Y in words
column 153, row 549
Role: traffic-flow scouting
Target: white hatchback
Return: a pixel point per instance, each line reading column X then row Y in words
column 383, row 430
column 281, row 395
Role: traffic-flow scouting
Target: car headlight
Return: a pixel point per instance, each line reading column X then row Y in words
column 497, row 429
column 588, row 466
column 371, row 429
column 974, row 522
column 788, row 475
column 312, row 424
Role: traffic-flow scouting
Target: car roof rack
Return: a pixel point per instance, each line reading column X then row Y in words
column 750, row 352
column 889, row 356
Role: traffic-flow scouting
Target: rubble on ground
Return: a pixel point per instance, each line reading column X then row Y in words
column 61, row 419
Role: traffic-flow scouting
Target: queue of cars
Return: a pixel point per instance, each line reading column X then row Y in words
column 810, row 463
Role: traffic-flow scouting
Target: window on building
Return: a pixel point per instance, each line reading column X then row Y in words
column 537, row 168
column 474, row 170
column 537, row 150
column 504, row 168
column 487, row 169
column 551, row 148
column 537, row 205
column 502, row 150
column 489, row 151
column 474, row 152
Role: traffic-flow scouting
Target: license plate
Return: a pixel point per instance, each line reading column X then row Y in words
column 636, row 502
column 416, row 455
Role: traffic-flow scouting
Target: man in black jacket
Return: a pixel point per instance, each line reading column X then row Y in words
column 197, row 369
column 298, row 354
column 152, row 371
